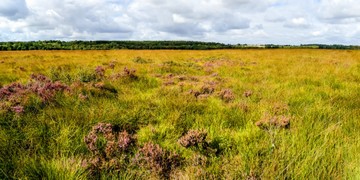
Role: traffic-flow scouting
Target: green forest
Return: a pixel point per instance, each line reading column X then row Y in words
column 188, row 45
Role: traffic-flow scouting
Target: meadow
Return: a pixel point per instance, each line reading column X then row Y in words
column 180, row 114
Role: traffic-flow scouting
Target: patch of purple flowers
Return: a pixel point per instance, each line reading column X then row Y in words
column 17, row 94
column 100, row 71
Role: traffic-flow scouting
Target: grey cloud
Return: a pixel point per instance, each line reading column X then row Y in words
column 248, row 5
column 230, row 23
column 194, row 16
column 183, row 29
column 79, row 17
column 13, row 9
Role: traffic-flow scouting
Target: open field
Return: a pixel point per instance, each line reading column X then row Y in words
column 220, row 114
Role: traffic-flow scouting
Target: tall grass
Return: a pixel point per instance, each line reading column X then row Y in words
column 172, row 93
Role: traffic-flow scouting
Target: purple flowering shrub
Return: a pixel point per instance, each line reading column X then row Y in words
column 112, row 150
column 15, row 96
column 112, row 64
column 276, row 121
column 45, row 88
column 126, row 73
column 100, row 72
column 193, row 138
column 227, row 95
column 157, row 160
column 108, row 147
column 196, row 140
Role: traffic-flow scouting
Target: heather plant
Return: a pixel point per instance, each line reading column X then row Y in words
column 112, row 64
column 193, row 138
column 272, row 125
column 45, row 88
column 100, row 72
column 104, row 129
column 83, row 97
column 195, row 93
column 130, row 73
column 109, row 154
column 207, row 89
column 277, row 121
column 17, row 94
column 204, row 92
column 126, row 73
column 157, row 160
column 18, row 109
column 247, row 93
column 227, row 95
column 13, row 92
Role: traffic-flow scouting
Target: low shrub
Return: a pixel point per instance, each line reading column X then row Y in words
column 157, row 160
column 274, row 121
column 227, row 95
column 193, row 138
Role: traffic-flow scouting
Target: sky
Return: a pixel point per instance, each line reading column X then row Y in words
column 226, row 21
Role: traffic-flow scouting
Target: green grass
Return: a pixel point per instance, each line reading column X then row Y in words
column 318, row 89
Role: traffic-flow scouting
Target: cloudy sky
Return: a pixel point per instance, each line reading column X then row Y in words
column 226, row 21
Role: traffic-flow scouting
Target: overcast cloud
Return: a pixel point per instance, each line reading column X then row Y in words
column 226, row 21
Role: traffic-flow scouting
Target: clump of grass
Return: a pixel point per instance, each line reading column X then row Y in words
column 106, row 87
column 141, row 60
column 280, row 108
column 86, row 75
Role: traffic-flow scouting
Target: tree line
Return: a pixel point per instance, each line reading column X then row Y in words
column 188, row 45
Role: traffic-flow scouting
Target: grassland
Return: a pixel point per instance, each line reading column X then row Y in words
column 227, row 101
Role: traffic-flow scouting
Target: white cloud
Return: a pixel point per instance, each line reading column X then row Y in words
column 299, row 22
column 228, row 21
column 178, row 18
column 340, row 11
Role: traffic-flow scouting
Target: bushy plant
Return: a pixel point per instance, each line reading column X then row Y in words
column 159, row 161
column 277, row 121
column 130, row 73
column 109, row 154
column 100, row 72
column 17, row 94
column 227, row 95
column 193, row 138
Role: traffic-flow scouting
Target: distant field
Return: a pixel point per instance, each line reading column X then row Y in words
column 219, row 114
